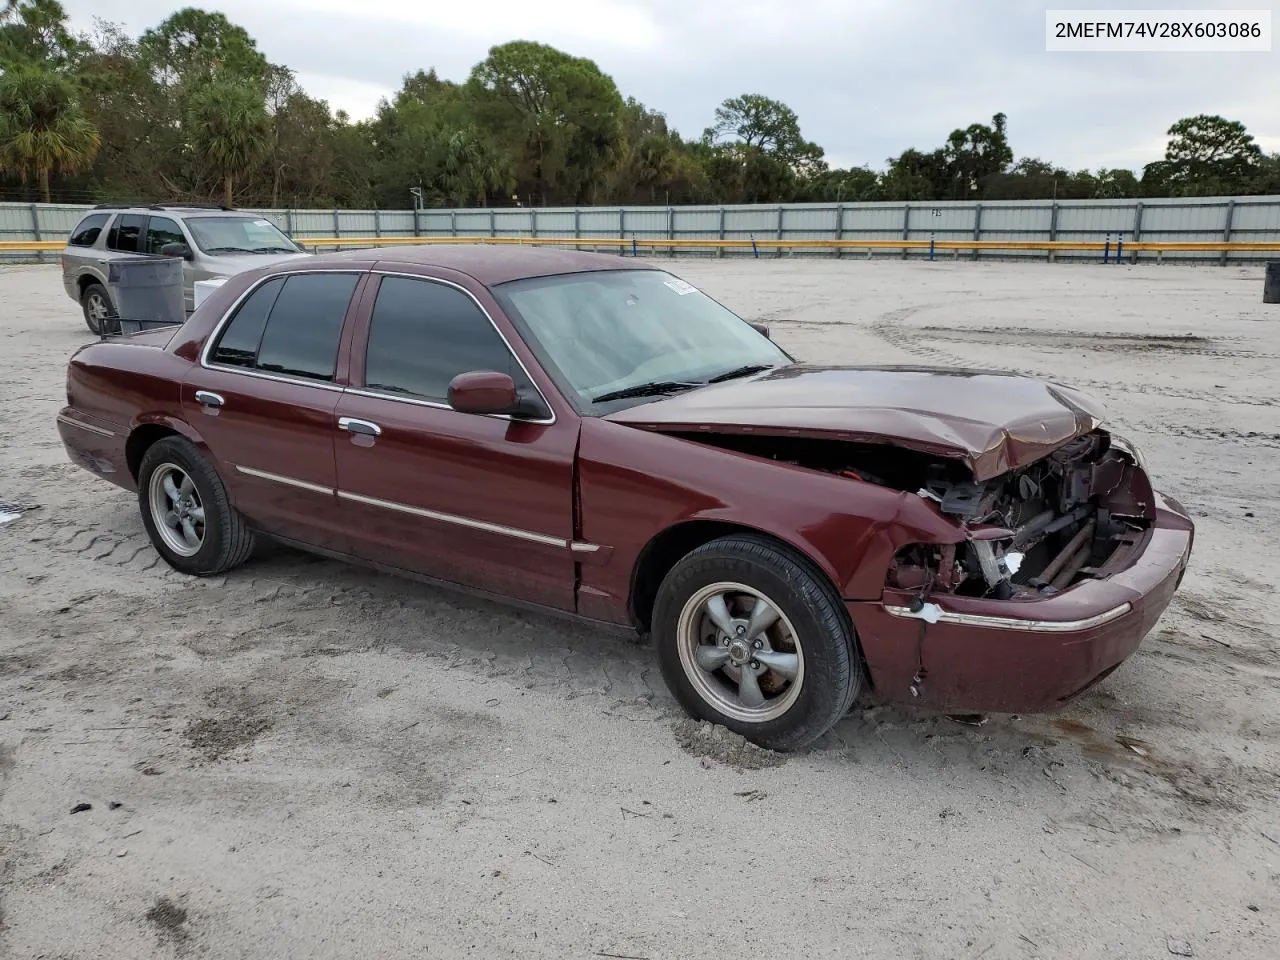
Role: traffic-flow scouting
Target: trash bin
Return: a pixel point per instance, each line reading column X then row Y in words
column 1271, row 283
column 146, row 292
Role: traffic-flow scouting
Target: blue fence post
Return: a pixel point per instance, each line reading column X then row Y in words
column 1106, row 251
column 931, row 246
column 1119, row 246
column 635, row 252
column 754, row 248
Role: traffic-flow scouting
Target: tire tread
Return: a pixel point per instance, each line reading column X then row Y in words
column 838, row 662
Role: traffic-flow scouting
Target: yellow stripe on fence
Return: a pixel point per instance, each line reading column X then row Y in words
column 685, row 243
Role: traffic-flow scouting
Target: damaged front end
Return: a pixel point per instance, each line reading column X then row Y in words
column 1038, row 583
column 1078, row 513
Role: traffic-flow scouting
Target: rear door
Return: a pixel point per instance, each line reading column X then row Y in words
column 264, row 398
column 485, row 501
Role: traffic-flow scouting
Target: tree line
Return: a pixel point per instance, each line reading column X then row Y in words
column 191, row 110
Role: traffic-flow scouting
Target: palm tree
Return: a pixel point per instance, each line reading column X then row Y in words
column 227, row 123
column 474, row 168
column 42, row 127
column 654, row 163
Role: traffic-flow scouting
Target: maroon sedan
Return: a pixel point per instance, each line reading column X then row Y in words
column 591, row 435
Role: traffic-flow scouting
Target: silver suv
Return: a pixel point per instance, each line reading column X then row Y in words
column 214, row 242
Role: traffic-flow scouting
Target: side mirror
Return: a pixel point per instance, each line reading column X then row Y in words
column 761, row 329
column 482, row 391
column 177, row 250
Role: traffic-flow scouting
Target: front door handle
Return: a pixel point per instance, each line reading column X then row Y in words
column 364, row 427
column 209, row 398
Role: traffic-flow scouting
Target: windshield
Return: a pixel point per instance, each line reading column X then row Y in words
column 239, row 235
column 607, row 331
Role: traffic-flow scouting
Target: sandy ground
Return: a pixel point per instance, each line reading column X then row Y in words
column 306, row 760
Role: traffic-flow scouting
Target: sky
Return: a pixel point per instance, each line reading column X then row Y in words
column 868, row 78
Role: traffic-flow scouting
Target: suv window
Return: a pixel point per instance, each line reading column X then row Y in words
column 290, row 325
column 87, row 230
column 126, row 232
column 423, row 334
column 162, row 230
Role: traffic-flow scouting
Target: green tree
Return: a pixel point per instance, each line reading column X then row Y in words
column 42, row 128
column 142, row 143
column 193, row 47
column 36, row 33
column 914, row 175
column 1206, row 156
column 975, row 154
column 558, row 114
column 473, row 168
column 228, row 125
column 762, row 125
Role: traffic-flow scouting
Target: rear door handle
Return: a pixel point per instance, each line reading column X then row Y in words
column 352, row 425
column 209, row 398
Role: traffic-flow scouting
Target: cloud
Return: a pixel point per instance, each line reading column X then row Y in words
column 868, row 79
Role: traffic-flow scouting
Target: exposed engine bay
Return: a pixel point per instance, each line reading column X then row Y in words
column 1030, row 532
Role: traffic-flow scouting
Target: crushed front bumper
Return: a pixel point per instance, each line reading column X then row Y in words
column 1023, row 656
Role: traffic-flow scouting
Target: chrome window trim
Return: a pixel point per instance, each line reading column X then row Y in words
column 496, row 329
column 287, row 481
column 230, row 312
column 453, row 518
column 62, row 418
column 1018, row 623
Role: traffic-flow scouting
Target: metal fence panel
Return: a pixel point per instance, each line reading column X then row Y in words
column 872, row 220
column 1250, row 215
column 1159, row 220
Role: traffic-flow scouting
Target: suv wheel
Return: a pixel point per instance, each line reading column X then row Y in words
column 97, row 307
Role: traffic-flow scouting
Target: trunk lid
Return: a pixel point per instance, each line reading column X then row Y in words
column 994, row 422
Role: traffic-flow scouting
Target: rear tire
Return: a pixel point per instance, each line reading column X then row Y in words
column 98, row 308
column 782, row 687
column 187, row 513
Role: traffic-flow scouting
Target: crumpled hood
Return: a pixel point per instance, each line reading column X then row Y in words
column 994, row 422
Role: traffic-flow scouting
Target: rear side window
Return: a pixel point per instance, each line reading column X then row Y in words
column 423, row 334
column 290, row 326
column 126, row 232
column 238, row 345
column 162, row 230
column 87, row 231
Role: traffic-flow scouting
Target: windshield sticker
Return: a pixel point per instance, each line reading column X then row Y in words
column 263, row 223
column 679, row 286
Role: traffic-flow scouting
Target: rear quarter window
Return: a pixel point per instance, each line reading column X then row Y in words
column 88, row 230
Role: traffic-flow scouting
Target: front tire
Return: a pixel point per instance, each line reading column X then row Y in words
column 750, row 635
column 187, row 513
column 98, row 308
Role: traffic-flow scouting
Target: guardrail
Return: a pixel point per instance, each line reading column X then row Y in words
column 635, row 244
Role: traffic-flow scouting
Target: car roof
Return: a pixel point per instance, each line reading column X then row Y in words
column 489, row 263
column 175, row 209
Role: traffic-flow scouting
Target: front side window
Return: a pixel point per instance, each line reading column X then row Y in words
column 238, row 235
column 88, row 230
column 126, row 233
column 289, row 326
column 162, row 230
column 423, row 334
column 605, row 331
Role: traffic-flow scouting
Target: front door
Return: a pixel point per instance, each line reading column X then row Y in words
column 264, row 400
column 483, row 501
